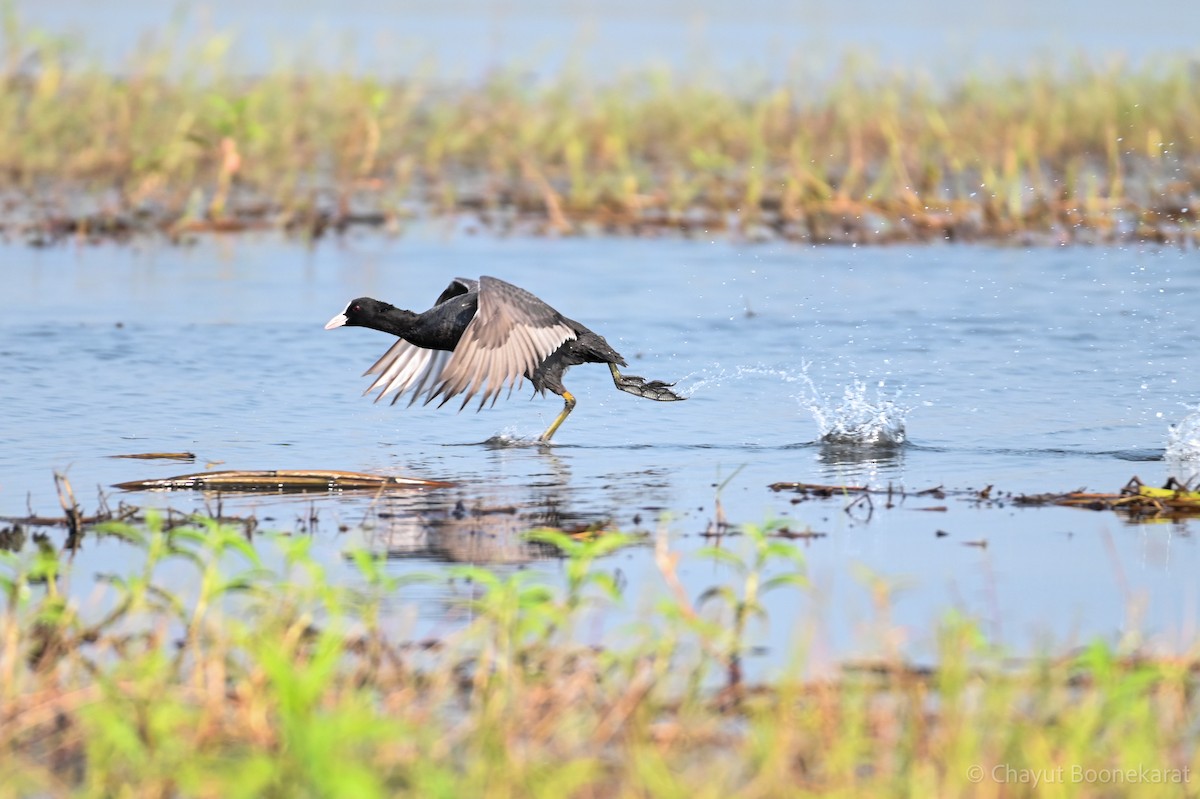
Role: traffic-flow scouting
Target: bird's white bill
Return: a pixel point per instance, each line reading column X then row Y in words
column 336, row 321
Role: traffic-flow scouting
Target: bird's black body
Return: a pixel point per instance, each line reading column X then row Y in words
column 495, row 333
column 589, row 347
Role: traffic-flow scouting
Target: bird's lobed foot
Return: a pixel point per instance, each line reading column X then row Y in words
column 650, row 389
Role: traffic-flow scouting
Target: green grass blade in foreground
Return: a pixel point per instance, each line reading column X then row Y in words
column 297, row 687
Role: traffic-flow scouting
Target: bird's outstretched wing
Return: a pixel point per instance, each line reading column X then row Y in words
column 406, row 366
column 512, row 332
column 458, row 286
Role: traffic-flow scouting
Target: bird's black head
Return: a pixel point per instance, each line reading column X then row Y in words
column 363, row 312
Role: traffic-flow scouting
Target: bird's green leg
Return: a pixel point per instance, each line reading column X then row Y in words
column 568, row 406
column 641, row 387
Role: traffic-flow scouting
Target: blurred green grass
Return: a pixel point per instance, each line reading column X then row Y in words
column 210, row 674
column 1084, row 152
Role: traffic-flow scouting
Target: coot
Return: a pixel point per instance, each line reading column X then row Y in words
column 480, row 335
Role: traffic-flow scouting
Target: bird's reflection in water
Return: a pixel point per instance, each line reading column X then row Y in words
column 489, row 525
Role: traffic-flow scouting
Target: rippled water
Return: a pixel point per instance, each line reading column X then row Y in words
column 1030, row 370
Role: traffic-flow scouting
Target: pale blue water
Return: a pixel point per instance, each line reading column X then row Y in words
column 702, row 39
column 1031, row 370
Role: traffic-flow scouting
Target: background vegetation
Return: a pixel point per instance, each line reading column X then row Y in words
column 177, row 141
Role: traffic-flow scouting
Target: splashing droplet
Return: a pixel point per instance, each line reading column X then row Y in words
column 859, row 419
column 706, row 379
column 1183, row 439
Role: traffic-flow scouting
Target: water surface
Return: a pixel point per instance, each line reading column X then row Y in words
column 1030, row 370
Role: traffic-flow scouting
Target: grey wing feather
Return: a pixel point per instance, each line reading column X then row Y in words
column 406, row 366
column 511, row 334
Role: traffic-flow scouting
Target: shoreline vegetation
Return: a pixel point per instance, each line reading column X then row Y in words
column 203, row 671
column 178, row 144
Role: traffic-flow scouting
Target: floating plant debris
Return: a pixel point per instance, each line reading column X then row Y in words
column 165, row 456
column 1136, row 500
column 281, row 480
column 788, row 533
column 818, row 489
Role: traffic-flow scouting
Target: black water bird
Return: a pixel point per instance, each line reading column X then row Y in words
column 479, row 336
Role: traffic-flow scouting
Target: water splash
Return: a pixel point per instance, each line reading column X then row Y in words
column 860, row 419
column 1183, row 439
column 706, row 379
column 511, row 438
